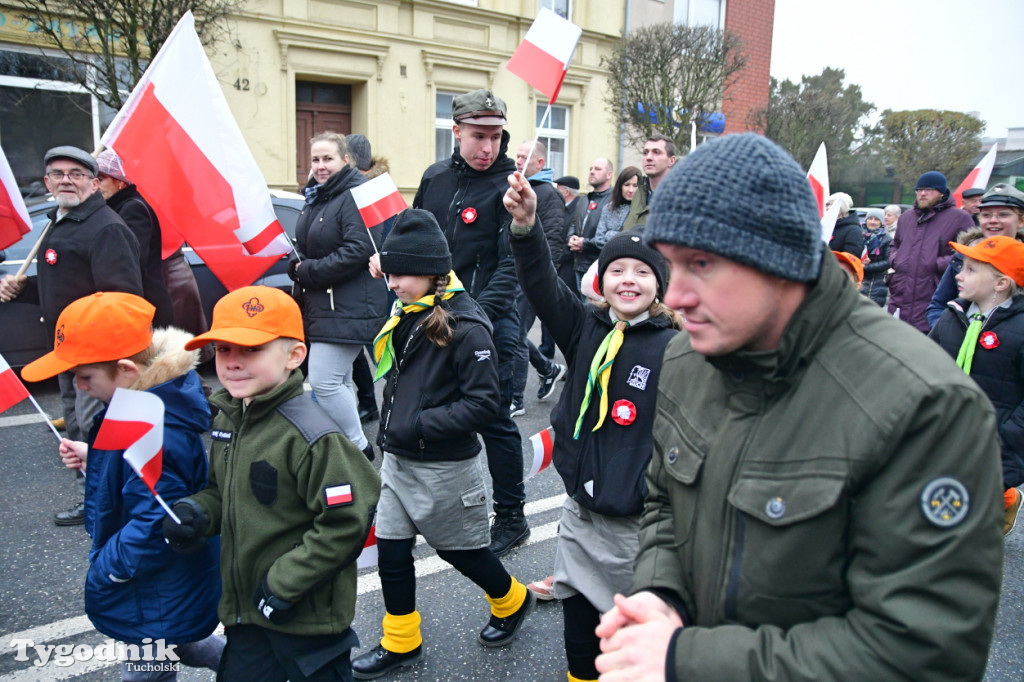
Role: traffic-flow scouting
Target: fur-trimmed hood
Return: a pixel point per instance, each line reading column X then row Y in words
column 172, row 360
column 378, row 166
column 968, row 236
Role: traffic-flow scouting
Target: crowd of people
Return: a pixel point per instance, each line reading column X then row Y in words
column 763, row 477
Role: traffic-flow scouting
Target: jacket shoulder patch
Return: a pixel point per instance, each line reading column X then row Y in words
column 338, row 495
column 945, row 502
column 309, row 418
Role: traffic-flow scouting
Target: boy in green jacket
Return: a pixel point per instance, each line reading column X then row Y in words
column 291, row 497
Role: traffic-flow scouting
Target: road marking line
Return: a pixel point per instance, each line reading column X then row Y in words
column 22, row 419
column 52, row 673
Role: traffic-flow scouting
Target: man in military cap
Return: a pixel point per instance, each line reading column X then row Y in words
column 88, row 249
column 465, row 193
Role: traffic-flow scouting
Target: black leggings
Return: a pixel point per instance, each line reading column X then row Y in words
column 397, row 572
column 582, row 646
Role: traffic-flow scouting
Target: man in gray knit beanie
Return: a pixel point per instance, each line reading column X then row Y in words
column 810, row 512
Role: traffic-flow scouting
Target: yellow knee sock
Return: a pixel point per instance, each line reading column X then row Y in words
column 510, row 603
column 577, row 679
column 401, row 633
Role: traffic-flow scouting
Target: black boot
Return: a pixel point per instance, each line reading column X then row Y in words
column 508, row 530
column 379, row 661
column 501, row 631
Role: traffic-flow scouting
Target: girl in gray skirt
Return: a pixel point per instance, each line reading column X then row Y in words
column 442, row 385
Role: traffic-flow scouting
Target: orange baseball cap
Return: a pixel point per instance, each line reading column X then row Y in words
column 853, row 262
column 1005, row 254
column 252, row 316
column 108, row 325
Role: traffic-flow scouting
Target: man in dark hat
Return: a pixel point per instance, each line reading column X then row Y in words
column 465, row 193
column 972, row 201
column 88, row 249
column 920, row 249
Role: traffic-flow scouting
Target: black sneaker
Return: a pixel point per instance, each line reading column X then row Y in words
column 369, row 414
column 379, row 661
column 501, row 631
column 71, row 517
column 508, row 530
column 547, row 381
column 368, row 451
column 516, row 409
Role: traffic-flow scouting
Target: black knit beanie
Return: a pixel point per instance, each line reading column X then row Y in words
column 631, row 245
column 415, row 246
column 359, row 151
column 744, row 198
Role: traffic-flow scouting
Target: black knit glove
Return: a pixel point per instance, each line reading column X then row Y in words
column 186, row 537
column 276, row 610
column 293, row 270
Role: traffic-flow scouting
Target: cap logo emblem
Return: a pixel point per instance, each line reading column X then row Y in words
column 990, row 244
column 60, row 335
column 489, row 103
column 253, row 307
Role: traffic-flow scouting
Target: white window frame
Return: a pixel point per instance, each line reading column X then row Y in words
column 690, row 11
column 548, row 133
column 547, row 4
column 443, row 123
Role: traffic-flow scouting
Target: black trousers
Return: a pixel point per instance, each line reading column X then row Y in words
column 256, row 654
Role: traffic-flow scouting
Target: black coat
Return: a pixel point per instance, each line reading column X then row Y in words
column 341, row 302
column 551, row 212
column 138, row 215
column 998, row 367
column 468, row 206
column 90, row 249
column 848, row 236
column 588, row 217
column 615, row 456
column 436, row 398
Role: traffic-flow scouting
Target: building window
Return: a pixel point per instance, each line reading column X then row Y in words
column 444, row 138
column 699, row 13
column 40, row 107
column 555, row 135
column 562, row 8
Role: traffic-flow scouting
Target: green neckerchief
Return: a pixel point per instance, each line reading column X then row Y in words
column 600, row 373
column 966, row 355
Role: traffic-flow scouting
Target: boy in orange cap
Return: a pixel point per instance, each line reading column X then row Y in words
column 290, row 496
column 136, row 586
column 983, row 330
column 852, row 266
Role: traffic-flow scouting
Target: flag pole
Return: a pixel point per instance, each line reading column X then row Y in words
column 543, row 120
column 46, row 418
column 166, row 508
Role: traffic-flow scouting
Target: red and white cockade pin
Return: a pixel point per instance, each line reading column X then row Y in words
column 469, row 215
column 623, row 412
column 51, row 256
column 988, row 340
column 593, row 205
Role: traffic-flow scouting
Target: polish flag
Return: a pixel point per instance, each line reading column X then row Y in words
column 183, row 149
column 543, row 57
column 12, row 391
column 977, row 178
column 378, row 200
column 368, row 557
column 14, row 220
column 338, row 494
column 828, row 223
column 135, row 423
column 818, row 177
column 543, row 444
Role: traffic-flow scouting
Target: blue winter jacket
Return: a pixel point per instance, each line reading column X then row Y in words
column 136, row 586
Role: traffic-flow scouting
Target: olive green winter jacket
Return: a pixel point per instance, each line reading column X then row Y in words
column 270, row 468
column 830, row 510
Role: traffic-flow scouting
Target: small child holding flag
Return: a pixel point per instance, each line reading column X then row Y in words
column 604, row 418
column 983, row 330
column 442, row 386
column 136, row 586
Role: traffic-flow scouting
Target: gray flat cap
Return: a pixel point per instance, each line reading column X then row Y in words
column 75, row 154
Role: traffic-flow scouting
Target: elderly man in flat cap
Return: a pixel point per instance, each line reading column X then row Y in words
column 88, row 249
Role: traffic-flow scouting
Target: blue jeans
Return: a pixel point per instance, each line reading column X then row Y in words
column 501, row 437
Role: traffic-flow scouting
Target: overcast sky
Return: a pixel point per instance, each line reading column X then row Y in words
column 912, row 54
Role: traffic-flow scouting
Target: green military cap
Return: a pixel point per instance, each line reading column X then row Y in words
column 481, row 107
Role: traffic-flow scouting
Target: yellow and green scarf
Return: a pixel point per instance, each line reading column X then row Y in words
column 600, row 373
column 383, row 351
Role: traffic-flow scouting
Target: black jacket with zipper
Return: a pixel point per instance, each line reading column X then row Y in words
column 436, row 398
column 613, row 459
column 468, row 206
column 341, row 301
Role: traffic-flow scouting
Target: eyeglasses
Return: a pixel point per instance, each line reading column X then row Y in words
column 75, row 175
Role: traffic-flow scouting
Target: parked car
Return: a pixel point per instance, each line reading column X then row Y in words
column 24, row 337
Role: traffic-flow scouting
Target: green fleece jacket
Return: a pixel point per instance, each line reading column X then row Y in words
column 271, row 466
column 830, row 510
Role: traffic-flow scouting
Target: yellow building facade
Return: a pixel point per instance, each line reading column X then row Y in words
column 386, row 69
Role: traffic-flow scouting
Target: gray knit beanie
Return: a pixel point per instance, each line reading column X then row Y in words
column 359, row 151
column 744, row 198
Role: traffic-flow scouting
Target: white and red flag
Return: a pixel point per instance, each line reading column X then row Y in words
column 978, row 177
column 181, row 146
column 135, row 423
column 543, row 57
column 12, row 391
column 378, row 199
column 368, row 557
column 543, row 444
column 14, row 220
column 828, row 222
column 817, row 175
